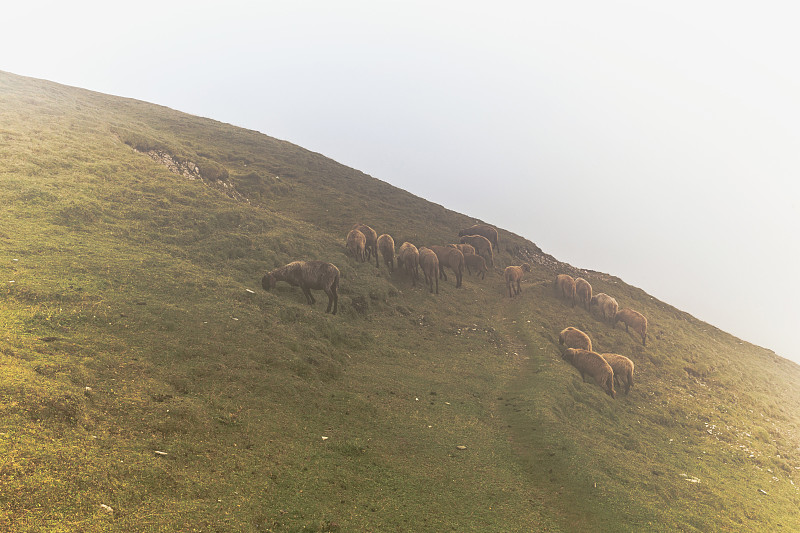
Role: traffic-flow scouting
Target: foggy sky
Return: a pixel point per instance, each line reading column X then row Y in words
column 658, row 143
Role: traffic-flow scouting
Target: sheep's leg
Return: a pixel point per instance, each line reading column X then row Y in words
column 309, row 296
column 329, row 292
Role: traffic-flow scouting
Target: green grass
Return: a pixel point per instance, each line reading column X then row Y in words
column 132, row 322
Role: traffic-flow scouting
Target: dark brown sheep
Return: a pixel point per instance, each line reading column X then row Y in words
column 606, row 305
column 452, row 258
column 565, row 287
column 575, row 338
column 583, row 291
column 476, row 262
column 317, row 275
column 486, row 231
column 429, row 264
column 386, row 246
column 593, row 364
column 356, row 245
column 408, row 260
column 634, row 319
column 482, row 246
column 372, row 241
column 623, row 369
column 513, row 275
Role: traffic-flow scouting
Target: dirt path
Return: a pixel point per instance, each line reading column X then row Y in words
column 539, row 453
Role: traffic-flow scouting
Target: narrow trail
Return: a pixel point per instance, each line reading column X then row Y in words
column 525, row 418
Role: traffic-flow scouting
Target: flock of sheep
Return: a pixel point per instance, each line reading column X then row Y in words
column 477, row 246
column 604, row 368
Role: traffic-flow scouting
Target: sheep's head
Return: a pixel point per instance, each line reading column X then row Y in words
column 526, row 267
column 593, row 301
column 268, row 281
column 568, row 354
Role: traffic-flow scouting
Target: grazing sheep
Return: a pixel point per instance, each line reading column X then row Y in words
column 583, row 290
column 386, row 246
column 513, row 275
column 484, row 230
column 565, row 287
column 593, row 364
column 633, row 319
column 465, row 248
column 408, row 260
column 372, row 240
column 356, row 244
column 482, row 246
column 477, row 262
column 429, row 264
column 575, row 338
column 623, row 369
column 317, row 275
column 450, row 257
column 607, row 305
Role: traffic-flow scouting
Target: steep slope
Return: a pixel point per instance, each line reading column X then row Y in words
column 133, row 241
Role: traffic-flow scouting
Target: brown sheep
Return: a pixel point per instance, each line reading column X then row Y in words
column 317, row 275
column 564, row 285
column 513, row 275
column 386, row 246
column 623, row 369
column 575, row 338
column 583, row 290
column 408, row 260
column 356, row 244
column 429, row 264
column 484, row 230
column 634, row 319
column 482, row 246
column 450, row 257
column 606, row 304
column 593, row 364
column 465, row 248
column 472, row 261
column 372, row 240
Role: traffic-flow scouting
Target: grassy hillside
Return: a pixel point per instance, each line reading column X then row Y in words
column 148, row 383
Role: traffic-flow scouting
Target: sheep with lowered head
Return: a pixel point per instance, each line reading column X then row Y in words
column 372, row 240
column 583, row 290
column 575, row 338
column 465, row 248
column 450, row 257
column 634, row 319
column 564, row 285
column 513, row 275
column 623, row 369
column 317, row 275
column 606, row 305
column 408, row 260
column 429, row 264
column 356, row 245
column 593, row 364
column 482, row 246
column 476, row 262
column 484, row 230
column 386, row 247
